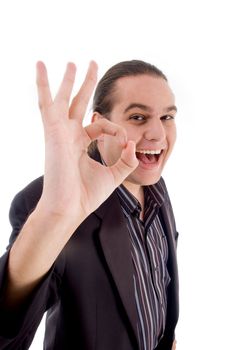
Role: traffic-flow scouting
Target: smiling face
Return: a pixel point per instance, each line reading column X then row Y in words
column 144, row 105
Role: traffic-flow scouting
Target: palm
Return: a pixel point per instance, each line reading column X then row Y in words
column 74, row 184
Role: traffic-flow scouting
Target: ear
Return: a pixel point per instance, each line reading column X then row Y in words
column 97, row 116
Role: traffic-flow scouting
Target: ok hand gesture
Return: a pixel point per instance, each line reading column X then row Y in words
column 74, row 184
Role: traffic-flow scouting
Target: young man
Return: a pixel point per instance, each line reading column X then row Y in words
column 94, row 240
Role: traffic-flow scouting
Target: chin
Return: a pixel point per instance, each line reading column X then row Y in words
column 144, row 180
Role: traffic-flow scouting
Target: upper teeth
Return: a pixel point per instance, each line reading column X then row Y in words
column 150, row 151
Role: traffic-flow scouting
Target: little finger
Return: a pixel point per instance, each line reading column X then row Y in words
column 44, row 94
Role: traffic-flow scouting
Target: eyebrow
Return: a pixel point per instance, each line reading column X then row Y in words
column 147, row 108
column 171, row 108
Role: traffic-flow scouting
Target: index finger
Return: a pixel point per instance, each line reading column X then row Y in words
column 104, row 126
column 80, row 101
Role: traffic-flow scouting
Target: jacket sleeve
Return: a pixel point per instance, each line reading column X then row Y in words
column 18, row 326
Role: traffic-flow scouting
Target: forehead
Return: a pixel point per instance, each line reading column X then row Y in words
column 144, row 89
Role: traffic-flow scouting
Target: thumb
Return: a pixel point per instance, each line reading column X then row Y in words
column 126, row 164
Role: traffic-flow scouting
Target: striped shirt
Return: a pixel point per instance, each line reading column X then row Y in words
column 149, row 256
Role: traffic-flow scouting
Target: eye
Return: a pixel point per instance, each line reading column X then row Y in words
column 167, row 117
column 138, row 117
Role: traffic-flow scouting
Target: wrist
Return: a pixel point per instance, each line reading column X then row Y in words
column 55, row 216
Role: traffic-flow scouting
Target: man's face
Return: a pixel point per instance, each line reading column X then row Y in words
column 145, row 106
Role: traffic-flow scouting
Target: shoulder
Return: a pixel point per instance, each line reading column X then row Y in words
column 29, row 196
column 23, row 204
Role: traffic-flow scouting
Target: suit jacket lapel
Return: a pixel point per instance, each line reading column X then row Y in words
column 114, row 239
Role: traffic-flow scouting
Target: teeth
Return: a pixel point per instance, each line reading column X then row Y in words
column 150, row 151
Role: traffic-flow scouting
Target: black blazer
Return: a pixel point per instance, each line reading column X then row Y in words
column 89, row 290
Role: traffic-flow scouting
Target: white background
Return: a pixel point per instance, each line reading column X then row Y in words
column 191, row 42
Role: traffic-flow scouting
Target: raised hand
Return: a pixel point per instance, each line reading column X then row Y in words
column 74, row 184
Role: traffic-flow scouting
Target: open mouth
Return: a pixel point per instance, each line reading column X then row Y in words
column 149, row 156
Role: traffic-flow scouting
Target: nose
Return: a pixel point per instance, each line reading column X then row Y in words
column 155, row 131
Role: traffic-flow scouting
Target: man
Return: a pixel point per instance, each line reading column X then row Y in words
column 94, row 240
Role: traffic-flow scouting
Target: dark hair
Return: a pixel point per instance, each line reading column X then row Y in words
column 103, row 99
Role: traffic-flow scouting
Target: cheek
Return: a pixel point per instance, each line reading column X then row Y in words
column 112, row 148
column 171, row 136
column 134, row 134
column 110, row 142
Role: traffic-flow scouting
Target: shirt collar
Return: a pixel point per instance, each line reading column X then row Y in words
column 156, row 193
column 129, row 203
column 153, row 194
